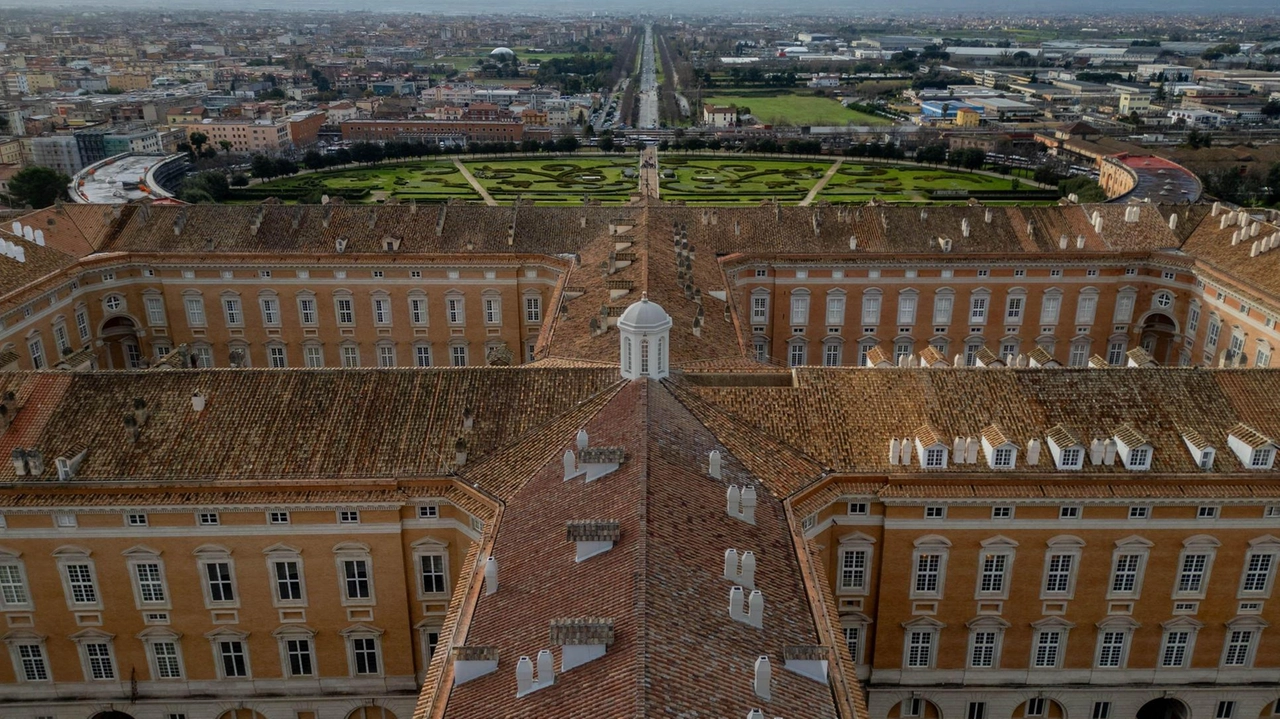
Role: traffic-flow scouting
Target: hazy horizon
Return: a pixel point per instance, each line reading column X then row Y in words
column 683, row 7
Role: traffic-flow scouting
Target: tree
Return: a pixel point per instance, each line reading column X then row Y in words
column 225, row 145
column 198, row 141
column 285, row 167
column 263, row 167
column 1085, row 189
column 1271, row 110
column 313, row 160
column 205, row 187
column 37, row 186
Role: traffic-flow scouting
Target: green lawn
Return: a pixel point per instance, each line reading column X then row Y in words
column 425, row 181
column 697, row 179
column 796, row 109
column 859, row 183
column 558, row 179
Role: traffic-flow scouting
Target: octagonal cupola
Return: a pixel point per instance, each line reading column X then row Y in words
column 645, row 331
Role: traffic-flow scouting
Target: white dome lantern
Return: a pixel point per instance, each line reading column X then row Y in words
column 645, row 344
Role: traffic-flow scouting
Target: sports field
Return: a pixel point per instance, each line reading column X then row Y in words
column 796, row 109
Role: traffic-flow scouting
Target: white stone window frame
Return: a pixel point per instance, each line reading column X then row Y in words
column 424, row 547
column 264, row 298
column 227, row 634
column 432, row 623
column 1047, row 319
column 1260, row 546
column 85, row 637
column 760, row 317
column 458, row 316
column 1058, row 455
column 977, row 319
column 162, row 635
column 1111, row 625
column 307, row 296
column 212, row 554
column 1012, row 316
column 1050, row 624
column 24, row 637
column 991, row 624
column 1089, row 317
column 1178, row 624
column 850, row 543
column 283, row 635
column 870, row 306
column 1129, row 546
column 1198, row 544
column 340, row 296
column 277, row 553
column 944, row 306
column 928, row 625
column 363, row 631
column 1250, row 623
column 13, row 558
column 834, row 314
column 861, row 622
column 236, row 320
column 354, row 551
column 800, row 307
column 1119, row 316
column 148, row 295
column 928, row 545
column 908, row 307
column 141, row 554
column 995, row 546
column 531, row 318
column 68, row 555
column 1067, row 545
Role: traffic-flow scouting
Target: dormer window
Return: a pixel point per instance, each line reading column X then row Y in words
column 1066, row 448
column 1254, row 449
column 1133, row 448
column 930, row 448
column 1072, row 458
column 999, row 449
column 1139, row 458
column 935, row 458
column 1003, row 457
column 1206, row 459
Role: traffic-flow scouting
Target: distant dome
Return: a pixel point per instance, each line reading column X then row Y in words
column 502, row 52
column 644, row 316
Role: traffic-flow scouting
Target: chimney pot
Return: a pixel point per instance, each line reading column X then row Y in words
column 490, row 576
column 524, row 676
column 755, row 609
column 735, row 604
column 570, row 465
column 582, row 439
column 198, row 401
column 749, row 505
column 713, row 464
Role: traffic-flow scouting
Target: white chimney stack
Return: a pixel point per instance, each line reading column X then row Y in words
column 1109, row 452
column 741, row 571
column 582, row 439
column 755, row 714
column 570, row 465
column 198, row 401
column 895, row 449
column 1096, row 450
column 713, row 464
column 755, row 609
column 1033, row 452
column 764, row 673
column 526, row 682
column 735, row 604
column 957, row 450
column 490, row 575
column 971, row 452
column 905, row 459
column 742, row 503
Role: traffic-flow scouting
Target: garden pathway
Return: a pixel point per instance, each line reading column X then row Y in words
column 649, row 172
column 835, row 167
column 475, row 184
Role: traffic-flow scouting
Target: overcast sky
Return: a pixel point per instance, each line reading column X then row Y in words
column 687, row 6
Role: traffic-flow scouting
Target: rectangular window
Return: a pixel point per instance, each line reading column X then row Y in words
column 1035, row 706
column 82, row 322
column 1048, row 645
column 1111, row 652
column 34, row 666
column 288, row 580
column 218, row 579
column 313, row 355
column 299, row 654
column 349, row 516
column 1124, row 309
column 799, row 310
column 1002, row 457
column 1257, row 571
column 1193, row 320
column 1002, row 512
column 871, row 309
column 927, row 570
column 422, row 355
column 231, row 308
column 492, row 310
column 155, row 310
column 231, row 653
column 429, row 511
column 1139, row 512
column 1072, row 458
column 277, row 517
column 1174, row 654
column 835, row 311
column 346, row 311
column 978, row 310
column 165, row 655
column 977, row 710
column 852, row 637
column 382, row 311
column 307, row 310
column 831, row 354
column 432, row 572
column 935, row 512
column 36, row 348
column 906, row 310
column 1101, row 710
column 1191, row 577
column 453, row 307
column 386, row 356
column 98, row 657
column 759, row 310
column 418, row 310
column 1079, row 354
column 1068, row 513
column 270, row 311
column 1206, row 512
column 1115, row 353
column 1124, row 577
column 1013, row 310
column 207, row 518
column 13, row 587
column 1225, row 710
column 458, row 353
column 150, row 583
column 364, row 652
column 1086, row 307
column 203, row 356
column 350, row 356
column 1049, row 309
column 984, row 650
column 853, row 569
column 355, row 574
column 275, row 357
column 1058, row 579
column 1211, row 338
column 942, row 305
column 993, row 573
column 80, row 581
column 1239, row 644
column 920, row 650
column 532, row 310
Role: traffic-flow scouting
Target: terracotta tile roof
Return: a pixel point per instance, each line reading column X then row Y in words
column 844, row 418
column 292, row 426
column 38, row 262
column 1062, row 436
column 1252, row 438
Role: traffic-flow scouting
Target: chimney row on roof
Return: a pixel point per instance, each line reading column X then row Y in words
column 742, row 503
column 740, row 570
column 754, row 611
column 526, row 682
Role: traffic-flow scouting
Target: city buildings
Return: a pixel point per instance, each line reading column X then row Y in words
column 986, row 488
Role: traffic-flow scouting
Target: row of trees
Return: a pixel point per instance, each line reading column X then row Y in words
column 970, row 158
column 1243, row 186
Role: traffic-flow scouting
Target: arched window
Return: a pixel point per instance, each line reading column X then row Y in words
column 644, row 357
